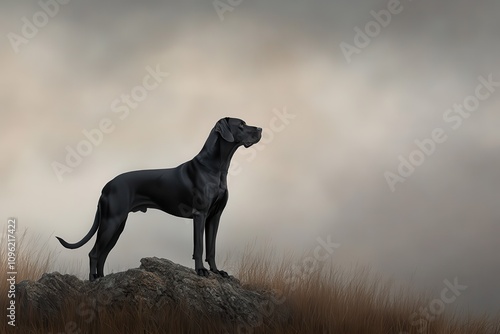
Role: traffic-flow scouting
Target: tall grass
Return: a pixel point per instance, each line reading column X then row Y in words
column 325, row 299
column 33, row 258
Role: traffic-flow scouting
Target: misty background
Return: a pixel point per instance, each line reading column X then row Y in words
column 317, row 173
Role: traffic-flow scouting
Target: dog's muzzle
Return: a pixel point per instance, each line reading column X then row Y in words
column 256, row 136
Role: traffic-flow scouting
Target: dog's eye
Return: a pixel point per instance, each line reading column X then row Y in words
column 241, row 126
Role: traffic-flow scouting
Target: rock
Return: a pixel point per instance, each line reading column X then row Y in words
column 156, row 283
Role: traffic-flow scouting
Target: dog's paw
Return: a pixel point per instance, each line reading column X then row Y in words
column 202, row 272
column 222, row 273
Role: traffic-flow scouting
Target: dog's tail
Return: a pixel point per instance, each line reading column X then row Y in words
column 93, row 230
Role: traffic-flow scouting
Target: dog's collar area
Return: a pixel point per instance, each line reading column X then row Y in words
column 215, row 170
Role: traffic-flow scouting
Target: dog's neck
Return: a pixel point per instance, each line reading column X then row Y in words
column 222, row 149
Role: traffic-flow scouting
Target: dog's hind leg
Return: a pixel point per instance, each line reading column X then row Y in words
column 109, row 230
column 93, row 265
column 104, row 254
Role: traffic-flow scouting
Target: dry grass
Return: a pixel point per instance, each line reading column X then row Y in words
column 323, row 300
column 33, row 258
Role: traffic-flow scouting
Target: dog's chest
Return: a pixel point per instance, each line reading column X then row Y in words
column 215, row 190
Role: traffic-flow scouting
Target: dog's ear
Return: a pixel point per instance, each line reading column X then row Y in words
column 222, row 127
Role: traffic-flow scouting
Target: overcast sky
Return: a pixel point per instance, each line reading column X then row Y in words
column 355, row 85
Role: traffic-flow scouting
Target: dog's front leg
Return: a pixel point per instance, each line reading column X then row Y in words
column 211, row 228
column 198, row 228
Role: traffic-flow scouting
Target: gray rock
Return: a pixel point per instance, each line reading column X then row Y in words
column 156, row 283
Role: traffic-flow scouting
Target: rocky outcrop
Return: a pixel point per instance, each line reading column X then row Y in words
column 155, row 284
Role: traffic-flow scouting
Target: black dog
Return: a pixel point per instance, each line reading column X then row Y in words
column 196, row 189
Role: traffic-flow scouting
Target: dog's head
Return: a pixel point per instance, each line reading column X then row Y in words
column 234, row 130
